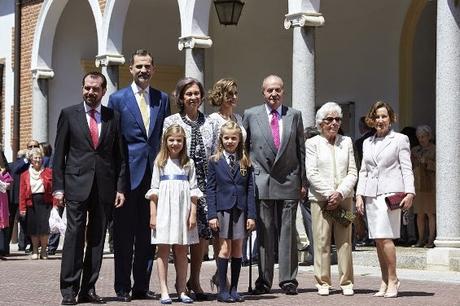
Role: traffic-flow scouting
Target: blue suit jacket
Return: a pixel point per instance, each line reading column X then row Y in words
column 142, row 146
column 225, row 190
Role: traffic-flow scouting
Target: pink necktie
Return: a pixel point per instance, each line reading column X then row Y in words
column 275, row 129
column 93, row 127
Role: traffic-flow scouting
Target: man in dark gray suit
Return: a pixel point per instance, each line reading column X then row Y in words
column 276, row 147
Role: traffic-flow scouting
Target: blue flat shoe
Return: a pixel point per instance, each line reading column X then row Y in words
column 185, row 299
column 166, row 301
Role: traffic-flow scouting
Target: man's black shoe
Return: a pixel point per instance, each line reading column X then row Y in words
column 51, row 252
column 290, row 289
column 91, row 297
column 123, row 297
column 149, row 295
column 258, row 290
column 69, row 300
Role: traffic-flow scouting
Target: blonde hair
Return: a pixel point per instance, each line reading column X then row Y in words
column 242, row 155
column 219, row 91
column 163, row 155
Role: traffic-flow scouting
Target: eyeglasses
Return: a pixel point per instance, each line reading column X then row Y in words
column 33, row 146
column 329, row 120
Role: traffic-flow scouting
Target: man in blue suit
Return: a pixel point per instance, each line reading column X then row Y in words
column 142, row 111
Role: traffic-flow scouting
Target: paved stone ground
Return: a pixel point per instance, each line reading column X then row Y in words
column 36, row 282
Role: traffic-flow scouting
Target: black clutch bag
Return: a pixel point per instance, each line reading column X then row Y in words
column 394, row 201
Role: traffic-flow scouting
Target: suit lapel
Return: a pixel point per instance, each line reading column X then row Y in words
column 223, row 164
column 385, row 143
column 131, row 103
column 155, row 103
column 83, row 123
column 265, row 127
column 104, row 125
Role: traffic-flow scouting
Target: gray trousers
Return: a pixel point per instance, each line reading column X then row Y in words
column 276, row 223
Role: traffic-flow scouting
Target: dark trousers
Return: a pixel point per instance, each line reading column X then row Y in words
column 306, row 218
column 53, row 239
column 73, row 266
column 23, row 239
column 276, row 223
column 131, row 230
column 13, row 208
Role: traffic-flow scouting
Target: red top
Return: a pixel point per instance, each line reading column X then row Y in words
column 25, row 193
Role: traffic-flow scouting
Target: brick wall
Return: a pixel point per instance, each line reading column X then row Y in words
column 30, row 10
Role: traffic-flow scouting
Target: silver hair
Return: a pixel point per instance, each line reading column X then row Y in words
column 327, row 108
column 424, row 129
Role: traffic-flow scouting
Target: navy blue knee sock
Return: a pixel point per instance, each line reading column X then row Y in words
column 222, row 267
column 235, row 268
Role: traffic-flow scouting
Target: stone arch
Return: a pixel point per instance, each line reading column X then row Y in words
column 406, row 59
column 42, row 48
column 113, row 23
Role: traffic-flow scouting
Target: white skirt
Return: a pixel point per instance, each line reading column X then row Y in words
column 381, row 221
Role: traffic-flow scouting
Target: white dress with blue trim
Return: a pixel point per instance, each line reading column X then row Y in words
column 174, row 186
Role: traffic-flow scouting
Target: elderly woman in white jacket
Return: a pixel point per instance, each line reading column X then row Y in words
column 332, row 174
column 386, row 169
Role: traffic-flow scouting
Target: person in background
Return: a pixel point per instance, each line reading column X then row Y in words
column 386, row 169
column 424, row 163
column 5, row 225
column 35, row 200
column 305, row 207
column 360, row 235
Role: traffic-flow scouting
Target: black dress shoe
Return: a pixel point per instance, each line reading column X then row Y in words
column 123, row 297
column 90, row 297
column 258, row 290
column 149, row 295
column 290, row 289
column 69, row 300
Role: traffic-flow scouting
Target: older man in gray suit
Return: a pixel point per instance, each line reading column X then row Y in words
column 276, row 147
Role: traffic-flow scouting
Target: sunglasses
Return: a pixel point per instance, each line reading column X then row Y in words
column 329, row 120
column 33, row 146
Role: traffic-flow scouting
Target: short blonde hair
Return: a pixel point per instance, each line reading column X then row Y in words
column 219, row 91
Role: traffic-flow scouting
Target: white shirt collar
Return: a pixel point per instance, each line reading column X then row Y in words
column 87, row 108
column 226, row 154
column 136, row 89
column 269, row 110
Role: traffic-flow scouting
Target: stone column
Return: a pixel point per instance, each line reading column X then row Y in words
column 40, row 79
column 194, row 56
column 446, row 254
column 109, row 64
column 303, row 62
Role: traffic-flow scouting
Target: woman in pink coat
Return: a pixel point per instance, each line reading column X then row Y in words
column 5, row 181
